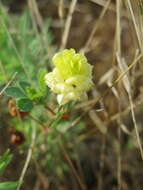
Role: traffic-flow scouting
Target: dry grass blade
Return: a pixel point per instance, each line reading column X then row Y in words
column 138, row 102
column 92, row 102
column 81, row 185
column 103, row 3
column 68, row 24
column 29, row 156
column 119, row 121
column 96, row 25
column 108, row 76
column 98, row 122
column 61, row 9
column 136, row 23
column 126, row 82
column 7, row 85
column 111, row 7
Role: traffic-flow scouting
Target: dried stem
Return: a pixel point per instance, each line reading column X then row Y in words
column 82, row 186
column 7, row 85
column 29, row 155
column 68, row 24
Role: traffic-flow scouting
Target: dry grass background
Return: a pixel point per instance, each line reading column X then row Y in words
column 111, row 35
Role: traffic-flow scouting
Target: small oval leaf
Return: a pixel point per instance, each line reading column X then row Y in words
column 24, row 104
column 14, row 92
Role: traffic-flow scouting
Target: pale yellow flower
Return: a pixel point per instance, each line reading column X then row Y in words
column 72, row 76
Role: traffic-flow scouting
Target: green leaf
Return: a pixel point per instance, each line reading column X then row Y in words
column 25, row 104
column 14, row 92
column 33, row 94
column 24, row 85
column 41, row 80
column 4, row 160
column 8, row 185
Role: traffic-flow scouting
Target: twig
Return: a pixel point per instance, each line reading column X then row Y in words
column 119, row 166
column 61, row 9
column 135, row 24
column 135, row 125
column 29, row 155
column 102, row 3
column 37, row 121
column 119, row 121
column 50, row 110
column 111, row 7
column 82, row 186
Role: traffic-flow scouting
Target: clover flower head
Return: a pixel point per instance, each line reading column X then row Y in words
column 72, row 76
